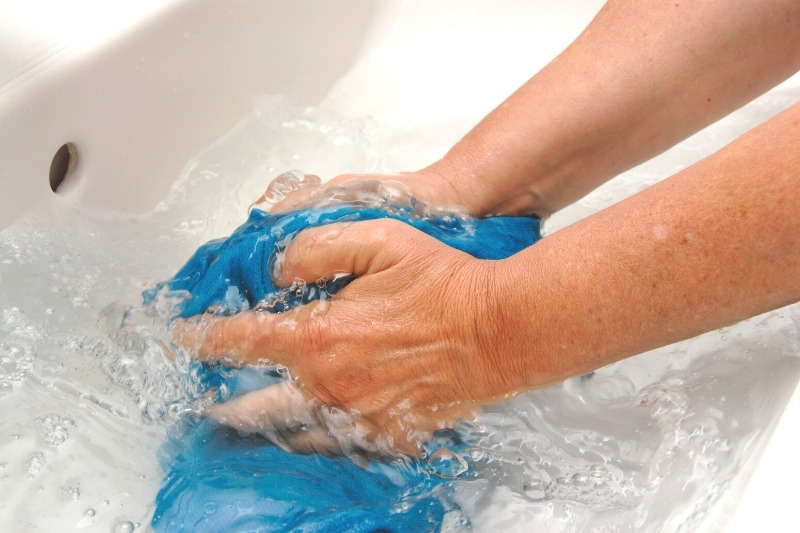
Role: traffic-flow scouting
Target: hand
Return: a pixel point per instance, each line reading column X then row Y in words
column 403, row 350
column 293, row 190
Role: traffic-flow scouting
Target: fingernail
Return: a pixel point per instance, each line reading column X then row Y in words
column 276, row 269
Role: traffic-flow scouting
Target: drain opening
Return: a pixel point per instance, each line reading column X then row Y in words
column 63, row 164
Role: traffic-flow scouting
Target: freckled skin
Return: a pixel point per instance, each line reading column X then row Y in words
column 707, row 247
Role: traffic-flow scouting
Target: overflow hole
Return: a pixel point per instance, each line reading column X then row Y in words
column 63, row 164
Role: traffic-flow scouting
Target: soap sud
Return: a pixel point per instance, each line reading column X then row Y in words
column 34, row 465
column 89, row 380
column 55, row 429
column 16, row 361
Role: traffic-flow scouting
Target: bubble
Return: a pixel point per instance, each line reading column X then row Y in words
column 56, row 429
column 124, row 526
column 477, row 454
column 535, row 490
column 445, row 463
column 34, row 464
column 16, row 362
column 455, row 520
column 73, row 493
column 581, row 480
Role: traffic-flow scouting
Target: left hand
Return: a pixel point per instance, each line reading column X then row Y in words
column 404, row 350
column 291, row 191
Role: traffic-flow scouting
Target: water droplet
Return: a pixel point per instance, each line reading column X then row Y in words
column 16, row 361
column 445, row 463
column 476, row 454
column 535, row 490
column 124, row 526
column 89, row 513
column 581, row 480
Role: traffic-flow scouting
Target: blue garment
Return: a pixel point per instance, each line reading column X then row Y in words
column 219, row 481
column 243, row 261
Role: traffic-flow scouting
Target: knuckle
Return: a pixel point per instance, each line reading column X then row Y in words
column 312, row 339
column 299, row 247
column 388, row 228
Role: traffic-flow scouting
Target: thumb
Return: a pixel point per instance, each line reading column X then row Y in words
column 358, row 248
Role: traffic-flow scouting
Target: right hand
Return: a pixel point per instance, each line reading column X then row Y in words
column 406, row 349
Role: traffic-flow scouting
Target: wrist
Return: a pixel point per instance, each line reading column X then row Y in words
column 436, row 187
column 532, row 336
column 459, row 184
column 496, row 187
column 504, row 334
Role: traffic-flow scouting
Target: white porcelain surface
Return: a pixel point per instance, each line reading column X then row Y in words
column 142, row 87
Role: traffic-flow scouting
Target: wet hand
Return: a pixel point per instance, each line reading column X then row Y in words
column 402, row 351
column 294, row 190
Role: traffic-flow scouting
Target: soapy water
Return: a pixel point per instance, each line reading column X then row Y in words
column 90, row 384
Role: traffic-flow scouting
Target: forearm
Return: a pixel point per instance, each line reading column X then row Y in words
column 708, row 247
column 643, row 76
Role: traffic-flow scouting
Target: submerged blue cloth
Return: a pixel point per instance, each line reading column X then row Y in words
column 219, row 481
column 243, row 261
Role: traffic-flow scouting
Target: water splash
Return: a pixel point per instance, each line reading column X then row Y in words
column 89, row 381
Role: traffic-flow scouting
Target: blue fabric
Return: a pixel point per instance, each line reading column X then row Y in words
column 219, row 481
column 243, row 260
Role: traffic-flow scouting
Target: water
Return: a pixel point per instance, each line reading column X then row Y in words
column 88, row 389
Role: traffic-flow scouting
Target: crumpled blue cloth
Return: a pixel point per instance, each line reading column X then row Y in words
column 219, row 481
column 243, row 261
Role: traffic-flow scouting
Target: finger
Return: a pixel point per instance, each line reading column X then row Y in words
column 250, row 336
column 288, row 185
column 271, row 409
column 319, row 193
column 312, row 439
column 297, row 200
column 283, row 414
column 347, row 248
column 210, row 337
